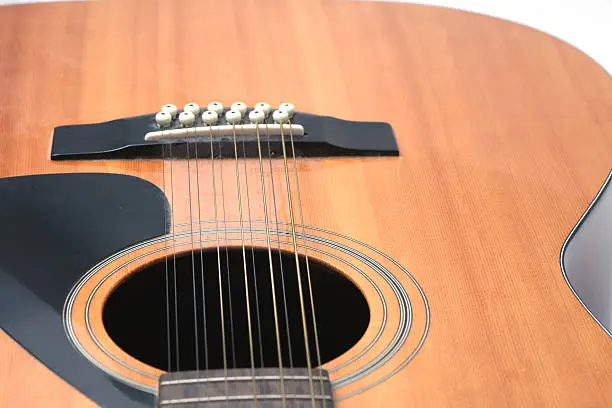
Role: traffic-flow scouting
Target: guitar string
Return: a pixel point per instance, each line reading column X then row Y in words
column 257, row 313
column 280, row 252
column 301, row 215
column 246, row 279
column 242, row 233
column 297, row 267
column 193, row 273
column 204, row 318
column 227, row 268
column 167, row 276
column 272, row 282
column 176, row 326
column 214, row 186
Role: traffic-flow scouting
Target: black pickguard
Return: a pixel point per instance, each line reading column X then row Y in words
column 54, row 228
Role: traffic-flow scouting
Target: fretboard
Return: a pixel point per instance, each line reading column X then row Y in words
column 239, row 388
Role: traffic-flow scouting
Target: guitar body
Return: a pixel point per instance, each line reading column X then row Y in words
column 504, row 136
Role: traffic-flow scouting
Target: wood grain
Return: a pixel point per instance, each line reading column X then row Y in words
column 385, row 318
column 504, row 135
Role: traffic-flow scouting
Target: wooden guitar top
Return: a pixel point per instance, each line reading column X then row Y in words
column 505, row 136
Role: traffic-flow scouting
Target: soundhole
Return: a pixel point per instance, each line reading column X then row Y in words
column 140, row 310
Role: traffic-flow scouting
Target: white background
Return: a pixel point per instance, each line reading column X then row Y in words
column 586, row 24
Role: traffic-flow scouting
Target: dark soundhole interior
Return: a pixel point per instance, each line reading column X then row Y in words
column 135, row 314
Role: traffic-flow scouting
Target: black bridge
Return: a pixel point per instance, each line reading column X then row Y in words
column 323, row 136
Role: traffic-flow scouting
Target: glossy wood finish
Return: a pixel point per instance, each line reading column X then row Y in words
column 386, row 317
column 504, row 135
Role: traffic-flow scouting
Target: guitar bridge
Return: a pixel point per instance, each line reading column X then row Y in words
column 143, row 137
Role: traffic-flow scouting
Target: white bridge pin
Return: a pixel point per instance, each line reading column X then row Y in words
column 216, row 107
column 256, row 116
column 263, row 107
column 192, row 107
column 163, row 119
column 280, row 116
column 240, row 107
column 171, row 109
column 210, row 117
column 233, row 117
column 186, row 119
column 287, row 107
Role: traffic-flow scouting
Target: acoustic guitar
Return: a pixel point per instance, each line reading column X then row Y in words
column 299, row 204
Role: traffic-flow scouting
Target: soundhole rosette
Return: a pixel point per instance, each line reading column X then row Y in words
column 399, row 312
